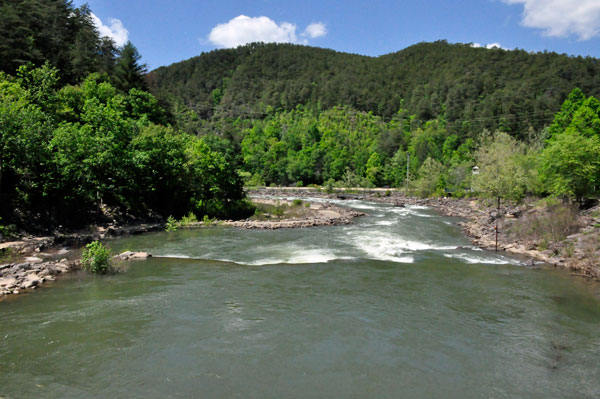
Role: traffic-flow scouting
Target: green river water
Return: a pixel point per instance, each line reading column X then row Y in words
column 397, row 305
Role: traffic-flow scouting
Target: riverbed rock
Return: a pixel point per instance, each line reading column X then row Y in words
column 14, row 278
column 130, row 255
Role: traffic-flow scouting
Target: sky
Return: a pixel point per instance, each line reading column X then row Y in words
column 167, row 31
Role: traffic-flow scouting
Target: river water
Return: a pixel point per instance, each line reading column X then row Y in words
column 397, row 305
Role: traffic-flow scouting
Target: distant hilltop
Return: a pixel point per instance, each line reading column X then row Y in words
column 473, row 87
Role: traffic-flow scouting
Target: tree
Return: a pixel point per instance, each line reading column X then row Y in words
column 570, row 165
column 431, row 178
column 502, row 172
column 129, row 73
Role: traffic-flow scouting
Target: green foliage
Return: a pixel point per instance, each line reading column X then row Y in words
column 188, row 220
column 431, row 179
column 96, row 258
column 503, row 171
column 471, row 89
column 128, row 72
column 8, row 231
column 67, row 153
column 297, row 202
column 172, row 224
column 570, row 165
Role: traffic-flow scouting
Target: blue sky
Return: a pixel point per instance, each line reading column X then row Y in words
column 167, row 31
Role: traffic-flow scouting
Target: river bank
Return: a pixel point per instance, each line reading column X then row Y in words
column 295, row 215
column 26, row 264
column 577, row 250
column 32, row 261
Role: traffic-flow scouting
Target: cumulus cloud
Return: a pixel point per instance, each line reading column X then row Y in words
column 561, row 18
column 314, row 30
column 115, row 30
column 489, row 45
column 243, row 29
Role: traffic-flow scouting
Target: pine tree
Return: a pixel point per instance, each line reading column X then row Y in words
column 129, row 73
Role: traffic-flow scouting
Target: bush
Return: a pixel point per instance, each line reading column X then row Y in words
column 8, row 231
column 549, row 225
column 172, row 224
column 188, row 220
column 297, row 202
column 96, row 258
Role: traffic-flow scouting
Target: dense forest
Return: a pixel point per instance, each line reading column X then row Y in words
column 83, row 139
column 470, row 89
column 80, row 139
column 297, row 115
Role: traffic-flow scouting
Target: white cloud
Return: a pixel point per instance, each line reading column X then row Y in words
column 314, row 30
column 561, row 18
column 488, row 46
column 242, row 30
column 115, row 30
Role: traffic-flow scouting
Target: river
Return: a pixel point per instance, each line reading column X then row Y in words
column 396, row 305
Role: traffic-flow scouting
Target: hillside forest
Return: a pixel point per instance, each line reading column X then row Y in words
column 87, row 134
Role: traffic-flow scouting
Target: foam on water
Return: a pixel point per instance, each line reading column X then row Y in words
column 297, row 257
column 489, row 260
column 362, row 205
column 417, row 207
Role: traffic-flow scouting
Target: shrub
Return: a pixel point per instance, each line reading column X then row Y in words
column 188, row 220
column 172, row 224
column 8, row 231
column 297, row 202
column 96, row 258
column 279, row 211
column 548, row 225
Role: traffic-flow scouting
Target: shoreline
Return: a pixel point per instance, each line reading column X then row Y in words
column 479, row 225
column 37, row 260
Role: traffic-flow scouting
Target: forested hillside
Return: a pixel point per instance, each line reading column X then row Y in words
column 82, row 142
column 469, row 88
column 296, row 115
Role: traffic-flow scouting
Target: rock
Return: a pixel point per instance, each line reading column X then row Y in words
column 8, row 282
column 33, row 259
column 129, row 255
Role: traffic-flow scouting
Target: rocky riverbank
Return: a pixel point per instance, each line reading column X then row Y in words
column 16, row 278
column 554, row 234
column 28, row 263
column 299, row 215
column 551, row 234
column 32, row 261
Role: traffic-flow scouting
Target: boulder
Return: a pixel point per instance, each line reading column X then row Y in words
column 129, row 255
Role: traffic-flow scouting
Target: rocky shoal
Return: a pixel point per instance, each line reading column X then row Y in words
column 29, row 275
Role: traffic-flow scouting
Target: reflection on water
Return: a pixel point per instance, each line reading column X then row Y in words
column 397, row 305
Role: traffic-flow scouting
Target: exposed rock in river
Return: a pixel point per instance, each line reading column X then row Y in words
column 15, row 277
